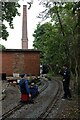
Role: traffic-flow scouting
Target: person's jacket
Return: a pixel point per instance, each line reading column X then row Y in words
column 24, row 86
column 66, row 74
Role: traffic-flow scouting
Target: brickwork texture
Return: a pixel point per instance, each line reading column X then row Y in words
column 20, row 61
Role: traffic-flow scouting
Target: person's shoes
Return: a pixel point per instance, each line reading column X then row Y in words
column 63, row 98
column 31, row 102
column 23, row 102
column 69, row 98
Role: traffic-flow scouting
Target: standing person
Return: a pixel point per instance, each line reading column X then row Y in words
column 25, row 92
column 66, row 82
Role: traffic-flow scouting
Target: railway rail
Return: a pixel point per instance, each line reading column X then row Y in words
column 53, row 103
column 14, row 109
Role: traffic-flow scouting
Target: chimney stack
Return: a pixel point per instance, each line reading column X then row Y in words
column 24, row 28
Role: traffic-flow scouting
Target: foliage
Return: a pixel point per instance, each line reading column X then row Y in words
column 76, row 12
column 49, row 42
column 59, row 39
column 9, row 11
column 2, row 47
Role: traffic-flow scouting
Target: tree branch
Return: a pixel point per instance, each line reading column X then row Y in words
column 60, row 21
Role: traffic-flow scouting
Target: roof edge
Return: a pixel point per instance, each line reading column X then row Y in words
column 19, row 50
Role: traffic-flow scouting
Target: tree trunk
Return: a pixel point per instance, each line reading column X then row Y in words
column 78, row 14
column 76, row 72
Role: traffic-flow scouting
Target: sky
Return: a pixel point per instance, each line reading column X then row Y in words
column 15, row 35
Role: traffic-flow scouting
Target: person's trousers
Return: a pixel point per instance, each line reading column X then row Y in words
column 67, row 92
column 24, row 97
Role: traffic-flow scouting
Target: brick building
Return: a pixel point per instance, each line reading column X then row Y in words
column 20, row 61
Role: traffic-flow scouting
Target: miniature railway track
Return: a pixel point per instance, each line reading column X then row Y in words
column 51, row 105
column 14, row 109
column 8, row 113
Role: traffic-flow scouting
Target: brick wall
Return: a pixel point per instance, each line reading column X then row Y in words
column 20, row 61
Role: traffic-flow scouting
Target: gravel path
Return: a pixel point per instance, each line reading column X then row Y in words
column 12, row 98
column 41, row 102
column 62, row 110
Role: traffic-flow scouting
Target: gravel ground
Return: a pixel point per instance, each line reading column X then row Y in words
column 11, row 99
column 11, row 95
column 65, row 109
column 41, row 102
column 70, row 109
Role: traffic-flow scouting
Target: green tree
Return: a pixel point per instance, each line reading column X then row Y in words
column 51, row 44
column 2, row 47
column 8, row 12
column 76, row 12
column 67, row 36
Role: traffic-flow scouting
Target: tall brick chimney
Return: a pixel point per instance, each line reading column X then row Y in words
column 24, row 28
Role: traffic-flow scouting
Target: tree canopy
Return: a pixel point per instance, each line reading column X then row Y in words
column 58, row 31
column 2, row 47
column 59, row 39
column 8, row 12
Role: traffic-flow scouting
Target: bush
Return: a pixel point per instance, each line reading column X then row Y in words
column 50, row 75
